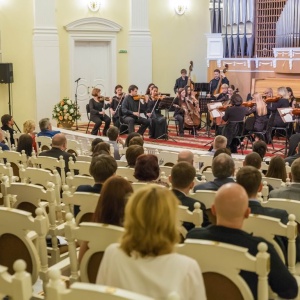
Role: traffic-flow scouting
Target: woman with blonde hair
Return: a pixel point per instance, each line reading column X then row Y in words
column 145, row 261
column 29, row 128
column 260, row 112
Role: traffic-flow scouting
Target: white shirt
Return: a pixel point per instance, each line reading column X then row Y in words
column 155, row 277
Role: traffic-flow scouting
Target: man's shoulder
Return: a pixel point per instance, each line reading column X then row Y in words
column 206, row 186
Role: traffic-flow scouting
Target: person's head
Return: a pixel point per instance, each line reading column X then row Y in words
column 149, row 88
column 95, row 142
column 216, row 73
column 295, row 170
column 29, row 126
column 250, row 179
column 45, row 124
column 261, row 107
column 277, row 168
column 25, row 143
column 260, row 147
column 113, row 133
column 282, row 91
column 137, row 140
column 224, row 88
column 96, row 92
column 146, row 168
column 220, row 141
column 298, row 148
column 223, row 166
column 118, row 89
column 154, row 91
column 150, row 222
column 231, row 89
column 101, row 147
column 222, row 150
column 102, row 167
column 132, row 90
column 182, row 176
column 112, row 201
column 132, row 153
column 188, row 90
column 290, row 92
column 181, row 93
column 231, row 205
column 7, row 120
column 252, row 159
column 59, row 141
column 268, row 92
column 129, row 137
column 183, row 72
column 236, row 100
column 186, row 155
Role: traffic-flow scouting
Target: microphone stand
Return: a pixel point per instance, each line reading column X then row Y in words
column 76, row 103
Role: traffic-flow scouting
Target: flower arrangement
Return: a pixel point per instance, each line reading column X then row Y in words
column 65, row 111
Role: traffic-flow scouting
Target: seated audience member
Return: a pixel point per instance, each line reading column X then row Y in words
column 3, row 146
column 29, row 128
column 145, row 261
column 46, row 128
column 223, row 171
column 95, row 142
column 222, row 150
column 25, row 143
column 7, row 125
column 136, row 140
column 111, row 205
column 277, row 168
column 182, row 180
column 291, row 158
column 260, row 147
column 132, row 153
column 101, row 148
column 291, row 192
column 231, row 208
column 219, row 142
column 130, row 137
column 59, row 146
column 115, row 140
column 147, row 169
column 294, row 141
column 187, row 156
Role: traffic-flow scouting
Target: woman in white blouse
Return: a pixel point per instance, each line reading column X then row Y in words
column 145, row 261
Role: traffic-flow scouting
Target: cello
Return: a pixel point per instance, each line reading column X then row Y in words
column 218, row 89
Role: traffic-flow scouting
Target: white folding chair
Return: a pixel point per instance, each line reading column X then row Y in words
column 16, row 160
column 87, row 158
column 83, row 167
column 126, row 172
column 274, row 182
column 165, row 157
column 74, row 181
column 43, row 143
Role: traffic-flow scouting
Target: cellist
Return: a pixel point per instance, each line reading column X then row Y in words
column 179, row 112
column 215, row 82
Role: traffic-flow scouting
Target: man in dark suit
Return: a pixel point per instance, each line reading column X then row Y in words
column 182, row 180
column 213, row 84
column 222, row 169
column 231, row 208
column 182, row 81
column 290, row 159
column 7, row 125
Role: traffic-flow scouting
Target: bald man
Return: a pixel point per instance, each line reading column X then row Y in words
column 231, row 208
column 59, row 146
column 186, row 155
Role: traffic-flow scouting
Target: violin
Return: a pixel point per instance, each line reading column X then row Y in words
column 224, row 107
column 296, row 111
column 248, row 104
column 138, row 97
column 272, row 99
column 102, row 98
column 158, row 97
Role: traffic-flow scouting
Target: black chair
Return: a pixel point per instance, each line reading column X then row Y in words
column 282, row 132
column 233, row 131
column 88, row 113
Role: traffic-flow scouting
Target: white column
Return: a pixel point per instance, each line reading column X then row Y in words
column 46, row 58
column 140, row 45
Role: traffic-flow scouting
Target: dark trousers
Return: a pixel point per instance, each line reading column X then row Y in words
column 98, row 122
column 116, row 121
column 180, row 119
column 141, row 121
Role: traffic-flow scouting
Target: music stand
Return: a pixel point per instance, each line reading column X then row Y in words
column 166, row 103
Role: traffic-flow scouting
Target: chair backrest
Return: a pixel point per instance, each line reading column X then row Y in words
column 15, row 159
column 56, row 290
column 166, row 170
column 17, row 286
column 99, row 237
column 126, row 172
column 138, row 185
column 73, row 182
column 268, row 228
column 6, row 170
column 83, row 167
column 274, row 182
column 43, row 143
column 121, row 163
column 220, row 261
column 16, row 136
column 6, row 136
column 167, row 157
column 87, row 108
column 74, row 147
column 84, row 158
column 202, row 161
column 208, row 175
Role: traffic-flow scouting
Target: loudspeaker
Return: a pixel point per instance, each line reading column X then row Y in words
column 6, row 73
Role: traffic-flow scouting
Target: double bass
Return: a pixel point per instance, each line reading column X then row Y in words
column 218, row 89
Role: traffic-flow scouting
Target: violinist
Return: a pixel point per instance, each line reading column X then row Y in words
column 133, row 111
column 268, row 93
column 149, row 88
column 292, row 99
column 97, row 114
column 182, row 81
column 213, row 84
column 158, row 121
column 223, row 96
column 179, row 112
column 231, row 91
column 116, row 105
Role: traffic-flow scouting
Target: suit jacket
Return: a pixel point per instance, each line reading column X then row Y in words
column 281, row 103
column 293, row 143
column 188, row 201
column 48, row 133
column 212, row 185
column 213, row 84
column 290, row 159
column 180, row 83
column 291, row 192
column 281, row 281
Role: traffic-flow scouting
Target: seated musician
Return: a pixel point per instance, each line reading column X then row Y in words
column 292, row 99
column 133, row 111
column 234, row 116
column 116, row 105
column 159, row 123
column 194, row 105
column 268, row 93
column 182, row 81
column 223, row 96
column 214, row 83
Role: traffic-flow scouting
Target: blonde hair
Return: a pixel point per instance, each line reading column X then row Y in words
column 150, row 222
column 282, row 91
column 224, row 85
column 261, row 107
column 28, row 126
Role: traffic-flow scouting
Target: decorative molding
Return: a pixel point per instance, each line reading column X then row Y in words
column 291, row 52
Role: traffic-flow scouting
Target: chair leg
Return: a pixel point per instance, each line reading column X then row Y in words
column 87, row 129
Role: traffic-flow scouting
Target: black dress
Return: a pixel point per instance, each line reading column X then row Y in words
column 116, row 107
column 158, row 121
column 259, row 121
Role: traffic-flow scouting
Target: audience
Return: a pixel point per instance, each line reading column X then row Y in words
column 25, row 143
column 3, row 145
column 131, row 136
column 94, row 143
column 231, row 208
column 222, row 150
column 46, row 128
column 29, row 128
column 136, row 140
column 187, row 156
column 182, row 180
column 291, row 158
column 220, row 141
column 294, row 141
column 145, row 261
column 277, row 168
column 291, row 192
column 101, row 148
column 223, row 171
column 7, row 125
column 115, row 140
column 132, row 153
column 260, row 147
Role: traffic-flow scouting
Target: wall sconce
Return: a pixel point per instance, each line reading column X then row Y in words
column 94, row 5
column 180, row 6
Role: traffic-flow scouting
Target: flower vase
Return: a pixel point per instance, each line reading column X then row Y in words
column 66, row 124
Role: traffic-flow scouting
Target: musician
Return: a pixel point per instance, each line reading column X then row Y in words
column 116, row 105
column 223, row 96
column 231, row 91
column 268, row 93
column 149, row 88
column 97, row 106
column 292, row 99
column 182, row 81
column 213, row 84
column 194, row 104
column 133, row 111
column 260, row 112
column 158, row 121
column 179, row 112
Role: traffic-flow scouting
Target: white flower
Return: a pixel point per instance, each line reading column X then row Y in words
column 65, row 117
column 69, row 102
column 57, row 109
column 67, row 114
column 66, row 107
column 70, row 118
column 71, row 110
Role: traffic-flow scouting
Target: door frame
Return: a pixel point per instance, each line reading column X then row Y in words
column 94, row 30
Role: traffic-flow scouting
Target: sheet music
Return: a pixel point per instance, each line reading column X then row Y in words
column 286, row 114
column 213, row 109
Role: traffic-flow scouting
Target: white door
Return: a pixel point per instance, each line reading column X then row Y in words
column 92, row 64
